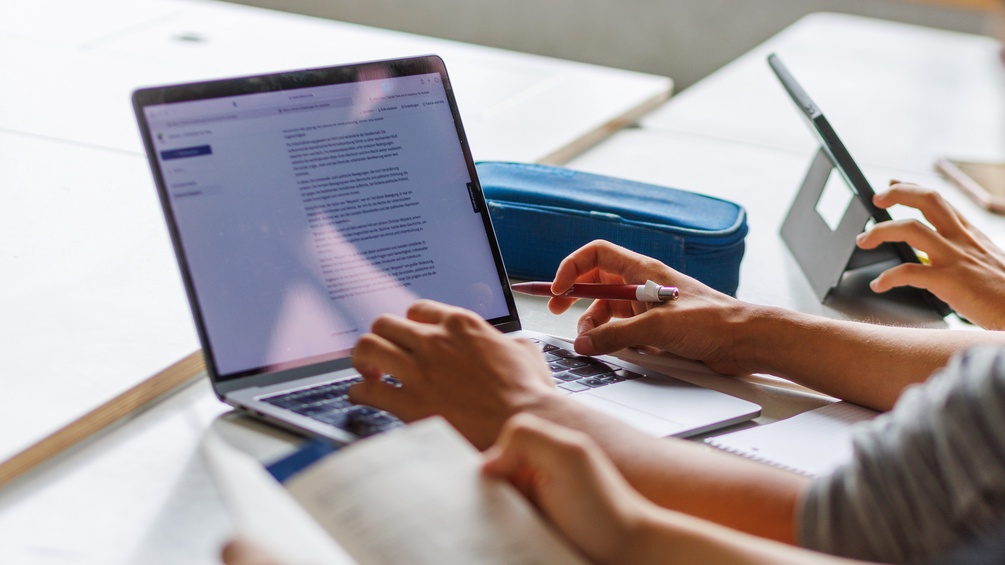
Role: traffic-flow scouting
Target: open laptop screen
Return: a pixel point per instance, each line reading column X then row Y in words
column 302, row 211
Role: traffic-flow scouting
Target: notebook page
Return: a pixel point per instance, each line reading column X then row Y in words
column 264, row 512
column 417, row 495
column 811, row 444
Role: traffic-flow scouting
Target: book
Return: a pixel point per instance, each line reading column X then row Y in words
column 266, row 513
column 412, row 495
column 811, row 444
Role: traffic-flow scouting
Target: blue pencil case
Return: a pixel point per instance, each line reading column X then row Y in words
column 543, row 213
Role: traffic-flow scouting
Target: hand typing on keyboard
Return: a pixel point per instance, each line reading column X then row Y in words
column 450, row 362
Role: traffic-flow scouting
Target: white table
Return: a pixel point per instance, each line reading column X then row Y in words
column 75, row 72
column 897, row 95
column 90, row 298
column 736, row 135
column 144, row 482
column 91, row 303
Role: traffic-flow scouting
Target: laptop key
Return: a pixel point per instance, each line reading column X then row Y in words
column 591, row 370
column 365, row 421
column 338, row 402
column 545, row 347
column 556, row 368
column 381, row 420
column 593, row 382
column 339, row 419
column 573, row 386
column 314, row 410
column 283, row 402
column 573, row 362
column 566, row 376
column 563, row 353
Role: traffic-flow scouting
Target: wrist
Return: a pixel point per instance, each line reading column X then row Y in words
column 550, row 405
column 763, row 335
column 651, row 536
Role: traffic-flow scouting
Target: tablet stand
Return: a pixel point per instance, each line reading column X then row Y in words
column 830, row 258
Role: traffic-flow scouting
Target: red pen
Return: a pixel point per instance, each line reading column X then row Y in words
column 649, row 292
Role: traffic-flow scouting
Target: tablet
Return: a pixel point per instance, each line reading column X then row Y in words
column 841, row 160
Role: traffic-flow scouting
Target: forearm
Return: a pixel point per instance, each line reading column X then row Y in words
column 867, row 364
column 690, row 477
column 863, row 363
column 667, row 537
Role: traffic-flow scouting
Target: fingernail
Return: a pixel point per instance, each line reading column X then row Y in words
column 584, row 345
column 585, row 324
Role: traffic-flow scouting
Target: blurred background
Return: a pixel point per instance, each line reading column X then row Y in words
column 683, row 39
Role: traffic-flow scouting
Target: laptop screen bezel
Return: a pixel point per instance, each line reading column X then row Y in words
column 286, row 81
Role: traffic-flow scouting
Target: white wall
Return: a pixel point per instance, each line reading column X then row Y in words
column 683, row 39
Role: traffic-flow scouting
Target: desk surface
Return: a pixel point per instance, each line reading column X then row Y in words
column 898, row 95
column 91, row 300
column 75, row 75
column 140, row 493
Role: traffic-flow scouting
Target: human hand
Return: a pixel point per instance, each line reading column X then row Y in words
column 449, row 362
column 240, row 551
column 965, row 269
column 701, row 325
column 569, row 478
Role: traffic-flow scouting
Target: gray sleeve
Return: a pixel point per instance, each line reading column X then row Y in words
column 925, row 477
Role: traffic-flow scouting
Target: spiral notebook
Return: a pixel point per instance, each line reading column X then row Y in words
column 810, row 444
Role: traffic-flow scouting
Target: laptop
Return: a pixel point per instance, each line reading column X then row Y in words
column 303, row 204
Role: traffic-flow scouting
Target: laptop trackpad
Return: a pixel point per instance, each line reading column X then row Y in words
column 649, row 423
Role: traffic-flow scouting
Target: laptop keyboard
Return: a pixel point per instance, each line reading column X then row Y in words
column 329, row 402
column 575, row 373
